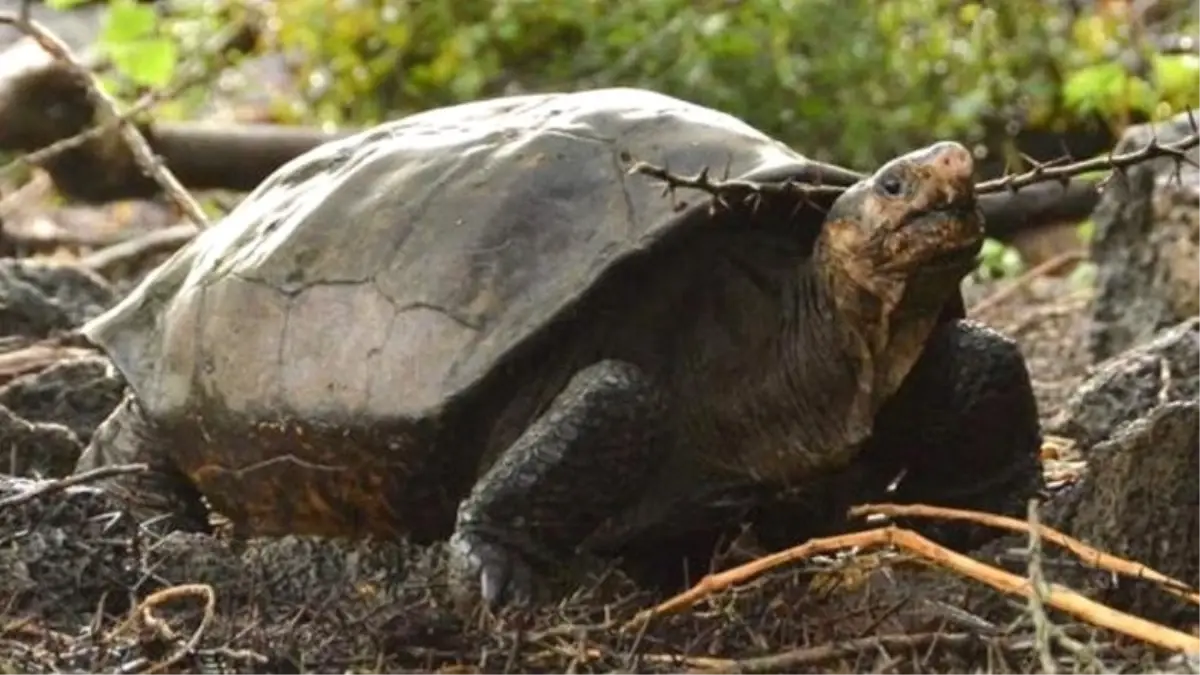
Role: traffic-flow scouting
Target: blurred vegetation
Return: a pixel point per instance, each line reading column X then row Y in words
column 848, row 81
column 851, row 81
column 854, row 81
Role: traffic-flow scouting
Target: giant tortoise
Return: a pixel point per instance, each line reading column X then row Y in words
column 476, row 324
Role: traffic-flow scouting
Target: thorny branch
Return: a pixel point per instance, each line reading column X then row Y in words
column 138, row 145
column 726, row 192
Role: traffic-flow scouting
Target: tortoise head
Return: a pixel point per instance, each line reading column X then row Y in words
column 912, row 226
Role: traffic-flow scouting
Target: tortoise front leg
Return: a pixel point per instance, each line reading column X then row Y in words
column 962, row 432
column 582, row 461
column 127, row 437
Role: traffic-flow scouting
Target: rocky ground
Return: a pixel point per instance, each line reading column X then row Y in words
column 1113, row 349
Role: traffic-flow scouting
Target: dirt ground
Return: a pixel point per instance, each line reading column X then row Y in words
column 89, row 589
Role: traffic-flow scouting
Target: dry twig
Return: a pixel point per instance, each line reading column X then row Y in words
column 150, row 243
column 808, row 656
column 138, row 145
column 1043, row 629
column 1058, row 597
column 1046, row 268
column 1087, row 554
column 141, row 615
column 58, row 485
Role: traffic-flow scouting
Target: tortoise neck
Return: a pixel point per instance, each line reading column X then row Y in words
column 822, row 363
column 883, row 326
column 791, row 402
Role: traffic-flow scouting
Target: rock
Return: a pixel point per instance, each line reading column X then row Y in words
column 78, row 393
column 38, row 299
column 1127, row 386
column 36, row 449
column 1141, row 500
column 1146, row 245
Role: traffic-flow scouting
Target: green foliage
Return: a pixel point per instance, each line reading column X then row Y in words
column 851, row 80
column 1111, row 73
column 997, row 260
column 1083, row 276
column 64, row 4
column 139, row 50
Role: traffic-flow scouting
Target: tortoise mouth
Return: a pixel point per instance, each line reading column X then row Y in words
column 961, row 258
column 941, row 240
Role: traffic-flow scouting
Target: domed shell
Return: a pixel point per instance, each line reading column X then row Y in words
column 385, row 273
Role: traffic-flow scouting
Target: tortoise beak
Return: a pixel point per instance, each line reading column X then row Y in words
column 943, row 240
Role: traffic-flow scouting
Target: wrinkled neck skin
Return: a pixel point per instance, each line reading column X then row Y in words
column 843, row 347
column 800, row 401
column 885, row 320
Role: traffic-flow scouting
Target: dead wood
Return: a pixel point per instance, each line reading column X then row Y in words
column 47, row 104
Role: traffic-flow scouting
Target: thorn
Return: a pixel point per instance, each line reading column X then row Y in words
column 1037, row 166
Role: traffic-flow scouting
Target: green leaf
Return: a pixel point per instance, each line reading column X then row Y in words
column 148, row 63
column 127, row 21
column 63, row 4
column 1176, row 76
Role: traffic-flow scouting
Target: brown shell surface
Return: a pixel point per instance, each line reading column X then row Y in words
column 302, row 349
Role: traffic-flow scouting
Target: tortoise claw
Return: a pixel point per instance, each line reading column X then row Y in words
column 495, row 573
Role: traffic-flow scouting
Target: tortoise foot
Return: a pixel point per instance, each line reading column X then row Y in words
column 558, row 482
column 161, row 494
column 484, row 568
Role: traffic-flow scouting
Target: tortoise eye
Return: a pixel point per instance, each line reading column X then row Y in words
column 891, row 186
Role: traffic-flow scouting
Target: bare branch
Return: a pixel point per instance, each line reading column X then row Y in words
column 138, row 144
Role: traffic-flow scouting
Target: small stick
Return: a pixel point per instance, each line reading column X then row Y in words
column 1058, row 597
column 57, row 485
column 1089, row 555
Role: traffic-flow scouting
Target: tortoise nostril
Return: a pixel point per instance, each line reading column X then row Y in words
column 957, row 162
